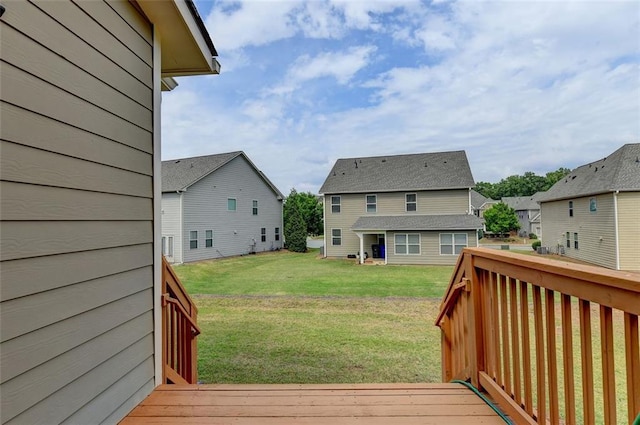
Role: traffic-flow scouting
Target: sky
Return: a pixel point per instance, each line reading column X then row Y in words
column 519, row 85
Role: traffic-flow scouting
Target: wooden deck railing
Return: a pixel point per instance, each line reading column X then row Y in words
column 551, row 342
column 179, row 331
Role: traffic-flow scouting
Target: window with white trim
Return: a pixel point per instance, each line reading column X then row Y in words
column 336, row 237
column 568, row 240
column 411, row 202
column 208, row 238
column 232, row 204
column 407, row 243
column 335, row 205
column 193, row 239
column 277, row 233
column 453, row 243
column 575, row 241
column 263, row 234
column 372, row 203
column 255, row 207
column 570, row 208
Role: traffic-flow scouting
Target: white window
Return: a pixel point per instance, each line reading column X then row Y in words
column 193, row 239
column 208, row 238
column 336, row 237
column 570, row 208
column 593, row 205
column 575, row 240
column 407, row 243
column 568, row 240
column 263, row 234
column 452, row 243
column 277, row 233
column 231, row 204
column 372, row 201
column 411, row 202
column 255, row 207
column 167, row 246
column 335, row 204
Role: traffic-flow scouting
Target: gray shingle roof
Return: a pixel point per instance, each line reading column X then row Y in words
column 179, row 174
column 413, row 172
column 520, row 203
column 619, row 171
column 418, row 222
column 478, row 200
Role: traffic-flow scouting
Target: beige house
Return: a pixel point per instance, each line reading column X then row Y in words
column 480, row 203
column 80, row 252
column 401, row 209
column 593, row 214
column 527, row 209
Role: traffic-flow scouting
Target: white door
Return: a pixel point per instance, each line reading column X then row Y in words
column 167, row 248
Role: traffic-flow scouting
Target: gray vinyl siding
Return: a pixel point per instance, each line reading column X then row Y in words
column 76, row 212
column 234, row 232
column 171, row 219
column 629, row 230
column 596, row 230
column 354, row 206
column 429, row 249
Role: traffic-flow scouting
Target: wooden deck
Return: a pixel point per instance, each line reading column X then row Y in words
column 335, row 404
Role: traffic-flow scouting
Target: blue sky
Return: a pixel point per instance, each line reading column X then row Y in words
column 520, row 86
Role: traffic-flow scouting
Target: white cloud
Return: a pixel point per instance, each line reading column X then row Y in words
column 521, row 86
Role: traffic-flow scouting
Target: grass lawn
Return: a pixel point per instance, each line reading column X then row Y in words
column 287, row 273
column 295, row 318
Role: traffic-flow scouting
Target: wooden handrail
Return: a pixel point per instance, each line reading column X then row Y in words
column 507, row 323
column 179, row 330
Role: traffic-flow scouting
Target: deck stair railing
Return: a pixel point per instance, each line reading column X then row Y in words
column 179, row 331
column 549, row 341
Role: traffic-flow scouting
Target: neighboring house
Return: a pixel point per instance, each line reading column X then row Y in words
column 480, row 203
column 218, row 206
column 527, row 209
column 405, row 209
column 80, row 201
column 593, row 214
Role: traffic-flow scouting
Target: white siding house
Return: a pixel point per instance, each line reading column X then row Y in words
column 593, row 214
column 80, row 201
column 218, row 206
column 402, row 209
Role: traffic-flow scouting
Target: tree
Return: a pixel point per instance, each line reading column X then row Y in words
column 295, row 230
column 501, row 218
column 524, row 185
column 309, row 207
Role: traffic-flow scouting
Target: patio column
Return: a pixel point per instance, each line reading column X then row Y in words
column 361, row 237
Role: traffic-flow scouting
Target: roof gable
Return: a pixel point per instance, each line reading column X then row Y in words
column 521, row 203
column 179, row 174
column 620, row 171
column 413, row 172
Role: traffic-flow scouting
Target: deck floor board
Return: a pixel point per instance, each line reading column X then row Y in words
column 340, row 404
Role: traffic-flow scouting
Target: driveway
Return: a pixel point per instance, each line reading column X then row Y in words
column 315, row 243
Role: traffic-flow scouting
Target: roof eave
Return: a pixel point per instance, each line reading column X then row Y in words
column 187, row 48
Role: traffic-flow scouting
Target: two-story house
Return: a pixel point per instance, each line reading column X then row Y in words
column 405, row 209
column 480, row 203
column 80, row 262
column 593, row 214
column 528, row 211
column 218, row 206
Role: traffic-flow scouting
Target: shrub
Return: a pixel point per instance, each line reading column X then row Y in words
column 533, row 236
column 536, row 244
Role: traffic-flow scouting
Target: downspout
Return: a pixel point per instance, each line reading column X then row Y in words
column 157, row 207
column 324, row 222
column 615, row 219
column 181, row 227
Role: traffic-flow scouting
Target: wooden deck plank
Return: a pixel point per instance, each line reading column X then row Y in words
column 382, row 420
column 337, row 404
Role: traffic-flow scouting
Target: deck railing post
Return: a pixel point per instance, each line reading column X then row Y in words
column 475, row 344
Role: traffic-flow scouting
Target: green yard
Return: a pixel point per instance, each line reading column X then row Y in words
column 294, row 318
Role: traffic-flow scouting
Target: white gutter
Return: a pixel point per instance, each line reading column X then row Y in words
column 324, row 222
column 615, row 217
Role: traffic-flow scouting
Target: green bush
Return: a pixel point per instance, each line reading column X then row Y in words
column 536, row 244
column 533, row 236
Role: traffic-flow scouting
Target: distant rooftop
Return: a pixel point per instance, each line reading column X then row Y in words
column 413, row 172
column 179, row 174
column 520, row 203
column 620, row 171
